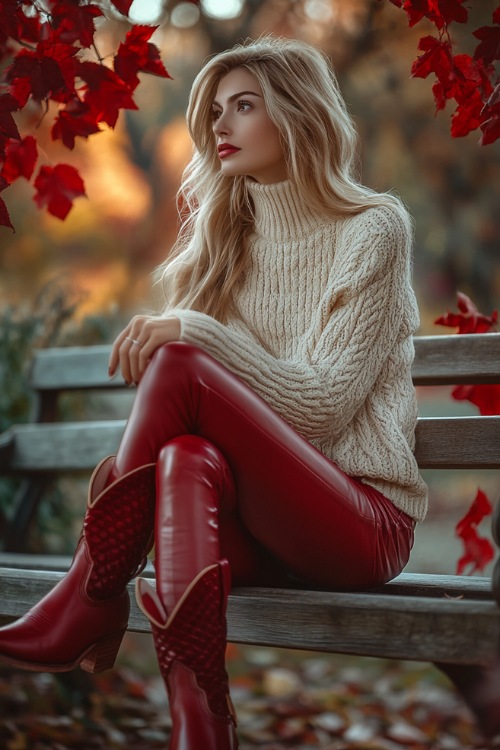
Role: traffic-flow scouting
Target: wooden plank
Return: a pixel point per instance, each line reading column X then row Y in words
column 370, row 625
column 67, row 446
column 407, row 584
column 73, row 367
column 441, row 442
column 34, row 562
column 439, row 360
column 458, row 442
column 468, row 358
column 437, row 585
column 391, row 627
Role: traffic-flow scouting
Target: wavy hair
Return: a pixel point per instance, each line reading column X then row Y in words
column 303, row 100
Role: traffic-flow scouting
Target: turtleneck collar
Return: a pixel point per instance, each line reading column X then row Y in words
column 281, row 213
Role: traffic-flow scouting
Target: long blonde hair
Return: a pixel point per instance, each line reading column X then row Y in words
column 303, row 100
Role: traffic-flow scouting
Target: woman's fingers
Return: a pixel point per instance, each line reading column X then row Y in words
column 122, row 345
column 155, row 332
column 114, row 358
column 136, row 344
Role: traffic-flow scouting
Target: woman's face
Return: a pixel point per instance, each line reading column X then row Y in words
column 247, row 141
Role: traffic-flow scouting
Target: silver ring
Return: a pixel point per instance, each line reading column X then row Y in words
column 134, row 341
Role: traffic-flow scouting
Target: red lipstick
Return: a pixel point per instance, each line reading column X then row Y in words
column 226, row 149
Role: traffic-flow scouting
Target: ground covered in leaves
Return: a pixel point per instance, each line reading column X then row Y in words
column 283, row 699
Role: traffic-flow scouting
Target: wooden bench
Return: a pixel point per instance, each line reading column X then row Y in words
column 416, row 616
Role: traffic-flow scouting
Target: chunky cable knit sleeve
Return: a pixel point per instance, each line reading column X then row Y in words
column 350, row 335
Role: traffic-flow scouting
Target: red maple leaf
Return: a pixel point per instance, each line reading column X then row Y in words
column 479, row 509
column 440, row 12
column 491, row 118
column 416, row 10
column 466, row 76
column 57, row 187
column 20, row 159
column 136, row 54
column 20, row 89
column 4, row 214
column 74, row 23
column 489, row 46
column 447, row 11
column 491, row 130
column 8, row 127
column 123, row 6
column 76, row 119
column 493, row 103
column 468, row 115
column 478, row 550
column 437, row 58
column 106, row 92
column 50, row 70
column 469, row 319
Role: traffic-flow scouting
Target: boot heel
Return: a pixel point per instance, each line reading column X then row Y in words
column 103, row 654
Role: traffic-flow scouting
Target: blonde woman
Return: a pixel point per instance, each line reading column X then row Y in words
column 271, row 439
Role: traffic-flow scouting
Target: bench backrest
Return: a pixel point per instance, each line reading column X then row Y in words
column 442, row 442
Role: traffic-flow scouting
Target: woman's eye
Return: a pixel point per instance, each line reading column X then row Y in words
column 244, row 105
column 215, row 114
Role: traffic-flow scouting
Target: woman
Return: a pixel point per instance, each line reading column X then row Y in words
column 271, row 438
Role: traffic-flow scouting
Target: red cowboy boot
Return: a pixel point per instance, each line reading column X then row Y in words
column 194, row 486
column 190, row 644
column 83, row 619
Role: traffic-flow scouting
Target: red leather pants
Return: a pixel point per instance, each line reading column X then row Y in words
column 290, row 513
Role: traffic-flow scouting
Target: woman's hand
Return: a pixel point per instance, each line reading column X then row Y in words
column 136, row 344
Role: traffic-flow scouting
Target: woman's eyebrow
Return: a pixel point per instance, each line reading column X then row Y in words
column 235, row 96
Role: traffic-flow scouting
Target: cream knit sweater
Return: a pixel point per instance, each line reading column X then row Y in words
column 327, row 340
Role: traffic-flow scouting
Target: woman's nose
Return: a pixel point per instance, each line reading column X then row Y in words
column 221, row 126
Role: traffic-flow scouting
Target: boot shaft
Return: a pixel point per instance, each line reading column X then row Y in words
column 190, row 645
column 118, row 528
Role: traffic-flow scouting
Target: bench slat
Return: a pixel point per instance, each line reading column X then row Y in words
column 454, row 360
column 441, row 442
column 458, row 442
column 439, row 360
column 67, row 446
column 408, row 584
column 402, row 627
column 73, row 367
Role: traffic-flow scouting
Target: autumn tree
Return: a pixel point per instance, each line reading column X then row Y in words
column 469, row 80
column 52, row 58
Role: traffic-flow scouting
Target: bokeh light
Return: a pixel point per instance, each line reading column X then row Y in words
column 185, row 15
column 222, row 9
column 146, row 11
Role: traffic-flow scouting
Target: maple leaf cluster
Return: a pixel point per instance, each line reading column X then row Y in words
column 478, row 551
column 470, row 80
column 46, row 49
